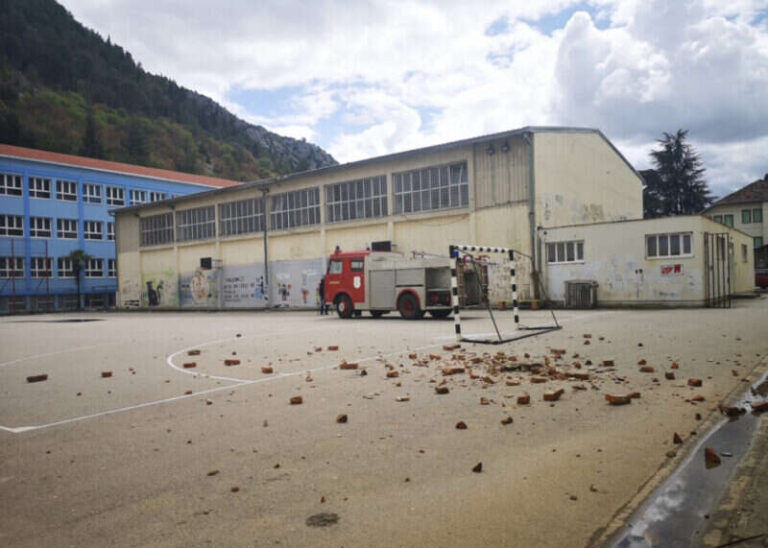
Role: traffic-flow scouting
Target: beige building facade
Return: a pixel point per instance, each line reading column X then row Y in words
column 672, row 261
column 208, row 250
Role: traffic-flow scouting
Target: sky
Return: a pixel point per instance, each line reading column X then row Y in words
column 363, row 78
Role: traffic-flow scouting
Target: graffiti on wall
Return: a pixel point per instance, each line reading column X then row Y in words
column 243, row 286
column 296, row 283
column 160, row 289
column 199, row 289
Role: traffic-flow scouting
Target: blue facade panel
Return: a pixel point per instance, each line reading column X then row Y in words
column 97, row 192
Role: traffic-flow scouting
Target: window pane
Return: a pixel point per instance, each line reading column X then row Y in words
column 580, row 251
column 674, row 244
column 757, row 215
column 651, row 245
column 561, row 252
column 687, row 244
column 663, row 245
column 746, row 216
column 569, row 248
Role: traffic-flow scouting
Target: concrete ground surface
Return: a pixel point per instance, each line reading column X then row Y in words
column 136, row 460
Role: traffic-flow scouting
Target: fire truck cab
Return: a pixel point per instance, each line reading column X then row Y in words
column 380, row 282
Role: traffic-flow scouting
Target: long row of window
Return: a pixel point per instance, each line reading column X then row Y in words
column 437, row 187
column 66, row 229
column 45, row 188
column 657, row 246
column 41, row 267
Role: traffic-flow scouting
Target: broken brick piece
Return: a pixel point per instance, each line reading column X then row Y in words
column 538, row 380
column 587, row 336
column 461, row 425
column 37, row 378
column 698, row 398
column 297, row 400
column 450, row 347
column 267, row 370
column 484, row 401
column 488, row 380
column 513, row 383
column 759, row 407
column 190, row 365
column 674, row 365
column 694, row 382
column 524, row 399
column 187, row 392
column 732, row 411
column 507, row 420
column 452, row 371
column 413, row 355
column 106, row 374
column 617, row 400
column 711, row 458
column 553, row 395
column 633, row 395
column 434, row 356
column 477, row 468
column 608, row 363
column 579, row 376
column 392, row 374
column 193, row 352
column 213, row 473
column 441, row 390
column 734, row 373
column 669, row 375
column 676, row 439
column 647, row 369
column 234, row 489
column 345, row 365
column 231, row 362
column 642, row 362
column 342, row 418
column 402, row 398
column 333, row 348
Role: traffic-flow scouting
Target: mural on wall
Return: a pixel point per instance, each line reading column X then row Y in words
column 243, row 286
column 129, row 293
column 200, row 289
column 160, row 290
column 295, row 283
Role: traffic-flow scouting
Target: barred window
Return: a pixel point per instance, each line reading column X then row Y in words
column 195, row 224
column 40, row 267
column 39, row 187
column 64, row 267
column 112, row 268
column 110, row 231
column 94, row 268
column 565, row 252
column 436, row 187
column 138, row 196
column 156, row 229
column 11, row 267
column 92, row 193
column 157, row 196
column 10, row 184
column 66, row 190
column 676, row 244
column 66, row 228
column 297, row 208
column 115, row 196
column 11, row 225
column 241, row 217
column 361, row 199
column 40, row 227
column 93, row 230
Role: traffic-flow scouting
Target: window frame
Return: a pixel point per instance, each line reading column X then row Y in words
column 746, row 216
column 198, row 223
column 7, row 230
column 93, row 235
column 295, row 209
column 65, row 268
column 91, row 197
column 92, row 265
column 35, row 270
column 11, row 184
column 241, row 217
column 728, row 220
column 110, row 231
column 10, row 271
column 565, row 252
column 757, row 242
column 418, row 190
column 157, row 229
column 757, row 215
column 111, row 268
column 157, row 196
column 359, row 199
column 64, row 192
column 39, row 188
column 668, row 238
column 38, row 231
column 115, row 195
column 134, row 192
column 66, row 233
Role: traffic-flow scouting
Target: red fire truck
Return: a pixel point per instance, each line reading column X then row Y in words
column 382, row 281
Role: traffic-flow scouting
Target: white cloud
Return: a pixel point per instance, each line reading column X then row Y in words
column 371, row 69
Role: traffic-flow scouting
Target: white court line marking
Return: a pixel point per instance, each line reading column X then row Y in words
column 21, row 429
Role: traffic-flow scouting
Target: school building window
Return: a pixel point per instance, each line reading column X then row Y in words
column 93, row 230
column 40, row 267
column 10, row 184
column 11, row 267
column 112, row 268
column 241, row 217
column 110, row 231
column 92, row 193
column 66, row 190
column 196, row 224
column 39, row 187
column 361, row 199
column 115, row 196
column 565, row 252
column 40, row 227
column 297, row 208
column 156, row 229
column 757, row 215
column 94, row 268
column 66, row 228
column 138, row 196
column 436, row 187
column 758, row 241
column 676, row 244
column 156, row 196
column 746, row 216
column 11, row 225
column 64, row 268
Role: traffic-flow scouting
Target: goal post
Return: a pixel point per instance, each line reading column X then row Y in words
column 454, row 251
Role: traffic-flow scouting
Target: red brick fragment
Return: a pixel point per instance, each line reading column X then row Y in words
column 538, row 380
column 524, row 399
column 231, row 362
column 434, row 356
column 234, row 489
column 450, row 347
column 488, row 380
column 478, row 468
column 193, row 352
column 106, row 374
column 617, row 400
column 698, row 398
column 507, row 420
column 647, row 369
column 674, row 365
column 190, row 365
column 37, row 378
column 413, row 355
column 484, row 401
column 669, row 375
column 759, row 407
column 461, row 425
column 452, row 370
column 513, row 383
column 333, row 347
column 553, row 395
column 711, row 458
column 694, row 382
column 187, row 392
column 676, row 439
column 633, row 395
column 392, row 374
column 579, row 376
column 346, row 365
column 608, row 363
column 318, row 349
column 586, row 343
column 441, row 390
column 297, row 400
column 342, row 418
column 642, row 362
column 734, row 373
column 267, row 370
column 587, row 336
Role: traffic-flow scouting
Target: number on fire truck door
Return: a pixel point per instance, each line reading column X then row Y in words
column 356, row 282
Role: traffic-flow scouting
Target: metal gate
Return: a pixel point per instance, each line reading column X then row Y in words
column 718, row 260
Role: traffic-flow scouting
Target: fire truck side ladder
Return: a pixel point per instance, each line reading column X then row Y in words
column 454, row 251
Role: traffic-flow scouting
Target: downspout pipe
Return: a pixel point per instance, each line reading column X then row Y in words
column 268, row 291
column 528, row 137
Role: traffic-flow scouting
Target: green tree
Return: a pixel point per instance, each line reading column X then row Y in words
column 79, row 259
column 91, row 144
column 676, row 185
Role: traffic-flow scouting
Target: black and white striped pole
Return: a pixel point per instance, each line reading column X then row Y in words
column 454, row 254
column 514, row 288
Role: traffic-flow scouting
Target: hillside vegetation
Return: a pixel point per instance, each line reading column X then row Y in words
column 65, row 89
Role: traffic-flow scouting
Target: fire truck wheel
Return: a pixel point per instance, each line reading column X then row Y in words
column 439, row 313
column 408, row 306
column 344, row 306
